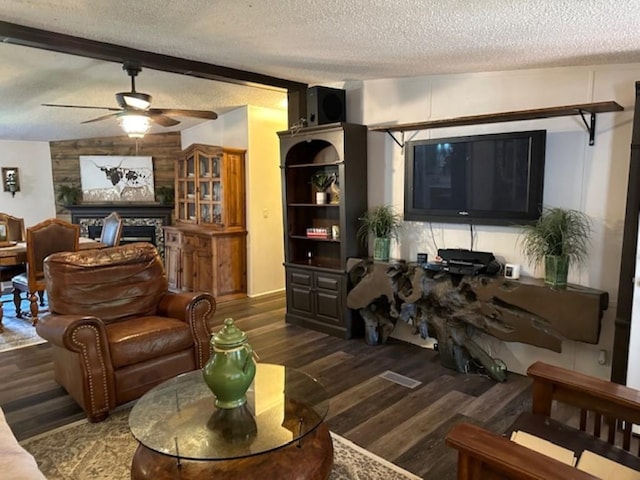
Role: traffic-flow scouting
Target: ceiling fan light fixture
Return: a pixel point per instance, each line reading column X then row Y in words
column 141, row 101
column 135, row 125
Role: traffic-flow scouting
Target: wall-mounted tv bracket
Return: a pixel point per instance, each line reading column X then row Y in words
column 564, row 111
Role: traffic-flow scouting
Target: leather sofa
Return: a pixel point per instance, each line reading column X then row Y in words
column 115, row 329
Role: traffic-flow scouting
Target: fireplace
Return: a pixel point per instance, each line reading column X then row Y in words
column 130, row 233
column 141, row 223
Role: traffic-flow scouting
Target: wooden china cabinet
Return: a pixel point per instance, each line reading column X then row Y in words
column 206, row 248
column 320, row 237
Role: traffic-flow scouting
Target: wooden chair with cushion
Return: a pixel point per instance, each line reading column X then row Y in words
column 572, row 410
column 15, row 233
column 51, row 236
column 111, row 230
column 15, row 227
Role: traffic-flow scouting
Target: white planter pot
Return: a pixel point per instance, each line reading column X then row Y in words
column 321, row 198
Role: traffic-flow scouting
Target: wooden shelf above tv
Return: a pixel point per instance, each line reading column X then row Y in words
column 533, row 114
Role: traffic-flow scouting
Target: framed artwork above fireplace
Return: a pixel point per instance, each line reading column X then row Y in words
column 111, row 178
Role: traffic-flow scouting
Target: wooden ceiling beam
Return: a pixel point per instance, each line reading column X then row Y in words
column 57, row 42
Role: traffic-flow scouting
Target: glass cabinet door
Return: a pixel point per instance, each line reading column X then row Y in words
column 186, row 190
column 202, row 176
column 209, row 189
column 205, row 166
column 191, row 167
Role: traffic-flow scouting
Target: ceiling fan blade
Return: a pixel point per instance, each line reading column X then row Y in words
column 206, row 114
column 80, row 106
column 103, row 117
column 162, row 119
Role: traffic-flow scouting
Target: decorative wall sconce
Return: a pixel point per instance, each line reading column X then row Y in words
column 11, row 180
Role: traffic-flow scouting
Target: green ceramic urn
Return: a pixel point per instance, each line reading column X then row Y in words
column 231, row 368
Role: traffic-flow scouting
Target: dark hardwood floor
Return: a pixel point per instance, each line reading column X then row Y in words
column 405, row 426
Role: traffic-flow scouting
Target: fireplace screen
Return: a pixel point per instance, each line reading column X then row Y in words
column 130, row 233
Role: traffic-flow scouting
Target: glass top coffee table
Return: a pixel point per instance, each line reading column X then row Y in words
column 279, row 433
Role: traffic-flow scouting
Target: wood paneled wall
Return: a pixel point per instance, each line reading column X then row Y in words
column 164, row 148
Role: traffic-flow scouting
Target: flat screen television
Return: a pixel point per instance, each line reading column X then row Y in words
column 494, row 179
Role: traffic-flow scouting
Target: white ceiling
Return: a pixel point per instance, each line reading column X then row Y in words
column 314, row 42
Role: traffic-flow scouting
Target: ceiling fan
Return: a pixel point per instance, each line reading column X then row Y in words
column 134, row 114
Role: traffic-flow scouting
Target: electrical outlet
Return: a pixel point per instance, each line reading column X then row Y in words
column 602, row 357
column 265, row 213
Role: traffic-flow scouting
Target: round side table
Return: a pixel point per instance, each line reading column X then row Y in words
column 279, row 433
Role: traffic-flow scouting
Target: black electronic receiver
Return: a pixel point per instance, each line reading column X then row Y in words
column 468, row 262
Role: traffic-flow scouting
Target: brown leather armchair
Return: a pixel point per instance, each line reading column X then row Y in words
column 115, row 329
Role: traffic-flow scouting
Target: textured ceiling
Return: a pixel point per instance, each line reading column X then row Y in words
column 315, row 42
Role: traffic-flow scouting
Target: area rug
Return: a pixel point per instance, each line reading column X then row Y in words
column 18, row 332
column 87, row 451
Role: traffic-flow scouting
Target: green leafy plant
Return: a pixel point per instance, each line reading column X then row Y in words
column 322, row 180
column 69, row 194
column 559, row 232
column 165, row 195
column 380, row 222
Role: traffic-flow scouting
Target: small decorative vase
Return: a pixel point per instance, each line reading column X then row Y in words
column 231, row 368
column 334, row 193
column 556, row 271
column 381, row 249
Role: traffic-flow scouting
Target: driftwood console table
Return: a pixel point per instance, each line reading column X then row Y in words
column 452, row 307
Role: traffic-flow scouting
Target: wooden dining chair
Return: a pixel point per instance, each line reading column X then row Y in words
column 15, row 227
column 111, row 230
column 51, row 236
column 15, row 233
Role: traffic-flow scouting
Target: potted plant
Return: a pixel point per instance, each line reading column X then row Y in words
column 560, row 238
column 322, row 180
column 69, row 194
column 383, row 223
column 165, row 195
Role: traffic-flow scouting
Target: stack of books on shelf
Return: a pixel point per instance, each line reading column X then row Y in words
column 318, row 232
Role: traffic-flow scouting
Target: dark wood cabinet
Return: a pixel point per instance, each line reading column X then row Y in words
column 318, row 298
column 320, row 237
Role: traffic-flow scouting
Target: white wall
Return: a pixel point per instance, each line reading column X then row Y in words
column 264, row 201
column 35, row 200
column 591, row 179
column 254, row 129
column 208, row 133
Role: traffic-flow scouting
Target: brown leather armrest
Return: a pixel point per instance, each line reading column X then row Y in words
column 86, row 337
column 179, row 305
column 61, row 330
column 483, row 454
column 197, row 309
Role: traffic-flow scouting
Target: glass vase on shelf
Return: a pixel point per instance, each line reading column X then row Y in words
column 334, row 193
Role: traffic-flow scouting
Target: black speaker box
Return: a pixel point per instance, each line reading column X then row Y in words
column 325, row 105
